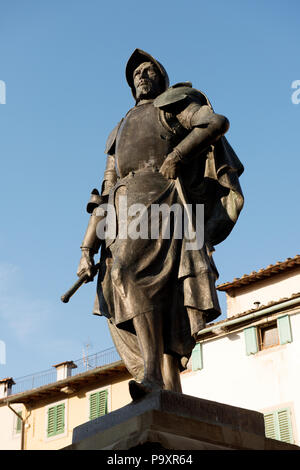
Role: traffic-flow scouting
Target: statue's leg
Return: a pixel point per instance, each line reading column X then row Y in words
column 171, row 369
column 149, row 333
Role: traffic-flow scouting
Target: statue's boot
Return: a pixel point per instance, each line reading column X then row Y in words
column 171, row 380
column 139, row 390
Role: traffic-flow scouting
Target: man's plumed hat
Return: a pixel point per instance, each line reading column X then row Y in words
column 137, row 58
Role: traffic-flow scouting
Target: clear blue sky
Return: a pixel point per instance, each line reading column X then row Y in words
column 63, row 64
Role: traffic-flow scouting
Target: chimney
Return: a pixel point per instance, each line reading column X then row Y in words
column 64, row 369
column 6, row 387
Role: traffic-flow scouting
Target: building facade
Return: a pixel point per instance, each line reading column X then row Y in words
column 43, row 418
column 249, row 360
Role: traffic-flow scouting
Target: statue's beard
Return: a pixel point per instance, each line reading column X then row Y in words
column 146, row 90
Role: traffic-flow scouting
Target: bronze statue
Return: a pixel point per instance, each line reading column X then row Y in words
column 157, row 294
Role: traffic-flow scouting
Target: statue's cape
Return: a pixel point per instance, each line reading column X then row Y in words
column 212, row 179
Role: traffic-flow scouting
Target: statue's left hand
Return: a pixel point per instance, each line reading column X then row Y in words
column 170, row 166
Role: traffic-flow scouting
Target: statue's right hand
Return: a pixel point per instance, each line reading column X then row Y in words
column 86, row 265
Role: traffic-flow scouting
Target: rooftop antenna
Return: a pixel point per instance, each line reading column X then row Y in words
column 85, row 354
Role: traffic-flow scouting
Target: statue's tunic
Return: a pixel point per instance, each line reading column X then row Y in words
column 152, row 274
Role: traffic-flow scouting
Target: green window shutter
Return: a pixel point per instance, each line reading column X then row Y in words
column 98, row 404
column 285, row 426
column 103, row 395
column 51, row 422
column 93, row 405
column 251, row 340
column 197, row 361
column 270, row 425
column 284, row 329
column 60, row 418
column 56, row 420
column 278, row 425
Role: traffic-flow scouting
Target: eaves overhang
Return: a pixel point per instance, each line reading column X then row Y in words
column 264, row 273
column 283, row 305
column 69, row 385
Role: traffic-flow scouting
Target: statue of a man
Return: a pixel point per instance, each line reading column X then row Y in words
column 157, row 294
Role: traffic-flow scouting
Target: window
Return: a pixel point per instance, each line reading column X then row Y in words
column 278, row 425
column 56, row 420
column 258, row 338
column 98, row 404
column 18, row 427
column 268, row 336
column 17, row 423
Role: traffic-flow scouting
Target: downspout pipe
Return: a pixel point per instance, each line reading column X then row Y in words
column 250, row 316
column 22, row 425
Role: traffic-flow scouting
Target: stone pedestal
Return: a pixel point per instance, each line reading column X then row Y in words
column 172, row 421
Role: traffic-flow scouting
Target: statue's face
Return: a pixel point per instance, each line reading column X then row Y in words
column 146, row 79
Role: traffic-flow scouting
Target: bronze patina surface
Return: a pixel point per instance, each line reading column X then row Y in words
column 155, row 293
